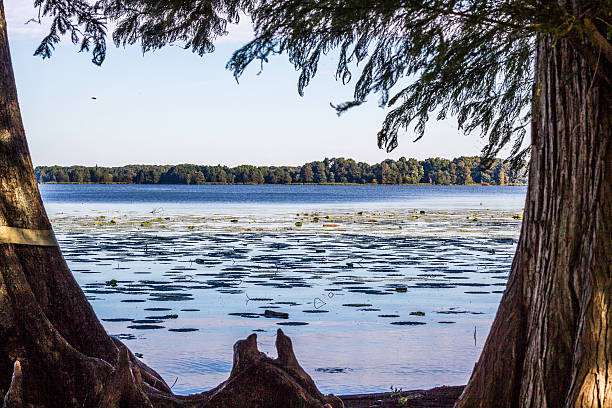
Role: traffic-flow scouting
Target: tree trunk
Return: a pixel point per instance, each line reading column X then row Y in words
column 53, row 350
column 38, row 270
column 551, row 342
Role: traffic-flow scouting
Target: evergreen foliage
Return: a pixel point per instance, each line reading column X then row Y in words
column 463, row 170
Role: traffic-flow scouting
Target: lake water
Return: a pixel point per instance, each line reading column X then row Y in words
column 384, row 285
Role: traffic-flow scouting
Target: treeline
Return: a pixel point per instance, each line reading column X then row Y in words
column 462, row 170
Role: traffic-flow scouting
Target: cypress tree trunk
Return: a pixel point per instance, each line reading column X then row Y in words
column 551, row 342
column 37, row 271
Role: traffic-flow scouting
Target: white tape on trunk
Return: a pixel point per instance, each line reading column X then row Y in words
column 22, row 236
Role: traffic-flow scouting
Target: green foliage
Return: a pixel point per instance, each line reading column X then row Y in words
column 152, row 23
column 80, row 20
column 156, row 23
column 462, row 170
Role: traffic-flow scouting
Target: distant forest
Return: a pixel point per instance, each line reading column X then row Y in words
column 462, row 170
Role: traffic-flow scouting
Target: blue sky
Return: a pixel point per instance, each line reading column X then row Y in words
column 172, row 107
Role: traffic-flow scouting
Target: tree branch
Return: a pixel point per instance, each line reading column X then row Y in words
column 597, row 39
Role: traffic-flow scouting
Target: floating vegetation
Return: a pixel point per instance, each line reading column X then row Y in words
column 145, row 327
column 333, row 370
column 361, row 256
column 119, row 319
column 163, row 317
column 171, row 297
column 246, row 314
column 409, row 323
column 279, row 315
column 147, row 321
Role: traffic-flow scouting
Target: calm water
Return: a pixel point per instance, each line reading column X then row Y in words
column 187, row 197
column 384, row 285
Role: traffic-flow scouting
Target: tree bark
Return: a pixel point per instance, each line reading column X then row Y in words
column 551, row 342
column 41, row 269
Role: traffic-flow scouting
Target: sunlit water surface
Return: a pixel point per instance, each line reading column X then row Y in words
column 384, row 285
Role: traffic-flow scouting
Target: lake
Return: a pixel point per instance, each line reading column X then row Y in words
column 384, row 285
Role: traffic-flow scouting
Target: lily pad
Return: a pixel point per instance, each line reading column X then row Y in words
column 408, row 323
column 145, row 327
column 119, row 319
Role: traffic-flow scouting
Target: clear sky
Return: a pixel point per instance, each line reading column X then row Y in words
column 173, row 106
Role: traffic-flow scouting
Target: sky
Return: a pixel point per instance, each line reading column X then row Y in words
column 173, row 106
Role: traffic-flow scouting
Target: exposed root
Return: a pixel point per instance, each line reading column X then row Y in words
column 148, row 375
column 124, row 389
column 259, row 381
column 14, row 396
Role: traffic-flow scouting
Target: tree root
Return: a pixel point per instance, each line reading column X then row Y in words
column 258, row 381
column 15, row 392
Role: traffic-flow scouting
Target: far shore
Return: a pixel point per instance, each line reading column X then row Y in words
column 288, row 184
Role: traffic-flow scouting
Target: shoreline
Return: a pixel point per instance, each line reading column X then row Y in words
column 283, row 184
column 438, row 397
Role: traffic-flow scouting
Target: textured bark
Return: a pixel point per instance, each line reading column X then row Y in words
column 551, row 342
column 42, row 269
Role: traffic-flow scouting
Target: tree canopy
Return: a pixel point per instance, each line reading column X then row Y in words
column 469, row 59
column 461, row 171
